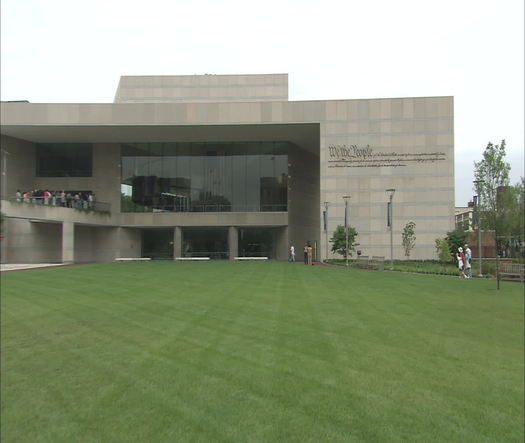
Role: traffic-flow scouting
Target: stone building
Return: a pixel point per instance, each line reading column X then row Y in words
column 223, row 166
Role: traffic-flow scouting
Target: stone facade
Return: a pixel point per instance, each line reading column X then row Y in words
column 344, row 147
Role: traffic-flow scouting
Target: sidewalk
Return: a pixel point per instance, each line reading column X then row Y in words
column 20, row 267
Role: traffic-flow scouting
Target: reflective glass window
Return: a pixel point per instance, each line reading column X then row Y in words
column 64, row 160
column 211, row 177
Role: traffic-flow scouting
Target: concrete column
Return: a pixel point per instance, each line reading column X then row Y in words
column 3, row 242
column 281, row 244
column 177, row 242
column 233, row 241
column 68, row 242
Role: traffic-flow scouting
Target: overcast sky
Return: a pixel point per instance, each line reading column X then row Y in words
column 76, row 50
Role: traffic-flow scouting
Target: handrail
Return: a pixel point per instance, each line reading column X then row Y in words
column 83, row 205
column 129, row 207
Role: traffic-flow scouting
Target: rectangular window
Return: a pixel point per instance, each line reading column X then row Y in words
column 64, row 160
column 204, row 177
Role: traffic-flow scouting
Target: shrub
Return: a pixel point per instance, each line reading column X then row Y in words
column 338, row 240
column 443, row 250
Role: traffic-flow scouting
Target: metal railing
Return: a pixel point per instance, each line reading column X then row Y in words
column 135, row 207
column 511, row 271
column 366, row 262
column 82, row 205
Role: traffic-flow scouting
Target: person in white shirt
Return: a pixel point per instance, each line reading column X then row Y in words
column 460, row 256
column 468, row 262
column 292, row 254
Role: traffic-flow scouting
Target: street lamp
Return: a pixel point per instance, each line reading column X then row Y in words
column 346, row 198
column 326, row 227
column 5, row 195
column 390, row 193
column 478, row 184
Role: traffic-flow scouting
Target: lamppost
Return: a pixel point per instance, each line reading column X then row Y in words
column 4, row 174
column 346, row 198
column 326, row 227
column 478, row 184
column 390, row 193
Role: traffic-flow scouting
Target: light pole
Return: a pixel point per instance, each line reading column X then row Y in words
column 390, row 216
column 478, row 184
column 4, row 174
column 346, row 198
column 326, row 227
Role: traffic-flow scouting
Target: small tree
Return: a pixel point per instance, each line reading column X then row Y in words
column 456, row 239
column 338, row 240
column 510, row 218
column 443, row 250
column 490, row 173
column 408, row 237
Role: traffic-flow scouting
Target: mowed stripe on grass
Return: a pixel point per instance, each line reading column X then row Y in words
column 221, row 351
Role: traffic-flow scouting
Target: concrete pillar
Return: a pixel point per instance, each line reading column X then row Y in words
column 3, row 242
column 177, row 242
column 68, row 242
column 280, row 238
column 233, row 241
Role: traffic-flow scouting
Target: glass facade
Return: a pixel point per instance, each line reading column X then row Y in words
column 204, row 177
column 157, row 244
column 64, row 160
column 205, row 242
column 257, row 242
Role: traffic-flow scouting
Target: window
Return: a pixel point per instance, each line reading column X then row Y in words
column 64, row 160
column 204, row 177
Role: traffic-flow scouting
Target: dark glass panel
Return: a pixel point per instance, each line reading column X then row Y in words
column 256, row 242
column 157, row 244
column 205, row 242
column 238, row 183
column 216, row 177
column 253, row 176
column 64, row 160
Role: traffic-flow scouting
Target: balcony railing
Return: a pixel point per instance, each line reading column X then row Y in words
column 80, row 205
column 135, row 207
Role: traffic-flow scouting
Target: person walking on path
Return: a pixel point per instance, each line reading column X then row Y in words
column 305, row 253
column 468, row 261
column 460, row 256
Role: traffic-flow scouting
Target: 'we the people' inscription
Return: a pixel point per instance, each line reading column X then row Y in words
column 353, row 156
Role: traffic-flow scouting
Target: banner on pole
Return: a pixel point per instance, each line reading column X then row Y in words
column 346, row 216
column 389, row 215
column 325, row 221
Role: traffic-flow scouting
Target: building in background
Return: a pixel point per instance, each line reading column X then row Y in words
column 223, row 166
column 465, row 217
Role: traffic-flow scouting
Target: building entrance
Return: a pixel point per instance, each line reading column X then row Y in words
column 257, row 242
column 157, row 244
column 205, row 242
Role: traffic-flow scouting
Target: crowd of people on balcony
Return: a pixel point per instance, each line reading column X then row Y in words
column 65, row 199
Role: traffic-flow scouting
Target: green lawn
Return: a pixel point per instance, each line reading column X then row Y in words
column 273, row 352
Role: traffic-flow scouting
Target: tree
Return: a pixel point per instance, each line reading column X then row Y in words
column 456, row 239
column 510, row 218
column 408, row 237
column 338, row 240
column 489, row 174
column 443, row 250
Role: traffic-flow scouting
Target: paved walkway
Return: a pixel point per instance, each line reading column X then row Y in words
column 21, row 266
